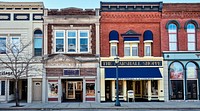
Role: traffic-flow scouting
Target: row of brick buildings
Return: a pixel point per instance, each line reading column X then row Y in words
column 157, row 44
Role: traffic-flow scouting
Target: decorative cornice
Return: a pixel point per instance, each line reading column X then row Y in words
column 180, row 14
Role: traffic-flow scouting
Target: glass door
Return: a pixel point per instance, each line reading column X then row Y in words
column 71, row 90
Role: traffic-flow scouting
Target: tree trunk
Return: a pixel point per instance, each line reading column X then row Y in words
column 16, row 92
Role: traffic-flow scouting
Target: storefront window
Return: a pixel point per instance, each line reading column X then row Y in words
column 191, row 81
column 53, row 89
column 154, row 87
column 90, row 89
column 176, row 79
column 120, row 87
column 2, row 88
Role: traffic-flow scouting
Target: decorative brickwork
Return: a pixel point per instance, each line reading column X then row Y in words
column 181, row 12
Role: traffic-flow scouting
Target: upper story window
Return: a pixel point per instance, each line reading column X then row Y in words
column 191, row 39
column 72, row 41
column 9, row 44
column 38, row 42
column 130, row 49
column 15, row 44
column 148, row 40
column 2, row 45
column 172, row 31
column 114, row 39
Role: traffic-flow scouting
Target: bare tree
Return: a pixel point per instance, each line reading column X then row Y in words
column 19, row 60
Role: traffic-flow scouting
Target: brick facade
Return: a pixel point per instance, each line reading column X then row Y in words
column 124, row 21
column 182, row 13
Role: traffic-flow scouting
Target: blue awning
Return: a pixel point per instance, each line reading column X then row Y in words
column 148, row 35
column 114, row 35
column 131, row 38
column 133, row 73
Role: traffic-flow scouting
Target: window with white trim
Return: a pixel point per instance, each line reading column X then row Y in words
column 130, row 49
column 113, row 47
column 3, row 45
column 2, row 88
column 75, row 41
column 134, row 49
column 147, row 49
column 59, row 40
column 38, row 42
column 172, row 31
column 191, row 37
column 15, row 41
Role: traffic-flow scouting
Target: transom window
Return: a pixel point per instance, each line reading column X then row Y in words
column 172, row 30
column 191, row 37
column 72, row 41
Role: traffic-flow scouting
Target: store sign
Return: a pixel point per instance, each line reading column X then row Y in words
column 132, row 63
column 3, row 73
column 71, row 72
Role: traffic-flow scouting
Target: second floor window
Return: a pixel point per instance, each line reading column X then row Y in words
column 15, row 44
column 130, row 49
column 191, row 37
column 38, row 42
column 113, row 50
column 2, row 45
column 172, row 30
column 72, row 41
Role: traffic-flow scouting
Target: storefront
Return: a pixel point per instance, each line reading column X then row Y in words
column 182, row 80
column 142, row 75
column 69, row 80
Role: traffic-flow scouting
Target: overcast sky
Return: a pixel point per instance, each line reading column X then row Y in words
column 53, row 4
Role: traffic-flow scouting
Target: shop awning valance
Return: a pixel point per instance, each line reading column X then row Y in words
column 133, row 73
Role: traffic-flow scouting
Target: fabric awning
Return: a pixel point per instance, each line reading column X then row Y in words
column 133, row 73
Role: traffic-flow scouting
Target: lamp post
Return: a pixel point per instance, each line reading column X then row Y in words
column 117, row 103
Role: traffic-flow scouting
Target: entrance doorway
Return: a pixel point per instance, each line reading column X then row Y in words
column 108, row 90
column 72, row 90
column 23, row 89
column 37, row 91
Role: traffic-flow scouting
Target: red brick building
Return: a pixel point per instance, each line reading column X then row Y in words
column 132, row 31
column 180, row 44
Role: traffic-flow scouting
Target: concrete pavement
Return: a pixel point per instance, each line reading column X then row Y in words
column 172, row 105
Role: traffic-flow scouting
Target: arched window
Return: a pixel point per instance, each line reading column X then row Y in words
column 114, row 39
column 191, row 72
column 148, row 40
column 172, row 31
column 176, row 73
column 191, row 39
column 38, row 42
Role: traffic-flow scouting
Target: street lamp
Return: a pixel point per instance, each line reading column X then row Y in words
column 117, row 103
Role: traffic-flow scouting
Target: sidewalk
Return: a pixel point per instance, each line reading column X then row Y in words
column 103, row 106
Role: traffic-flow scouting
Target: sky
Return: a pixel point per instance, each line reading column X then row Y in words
column 91, row 4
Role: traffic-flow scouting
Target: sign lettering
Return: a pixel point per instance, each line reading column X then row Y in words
column 132, row 63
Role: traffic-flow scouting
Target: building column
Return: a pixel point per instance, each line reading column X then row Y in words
column 44, row 88
column 125, row 90
column 149, row 90
column 59, row 90
column 7, row 90
column 29, row 97
column 102, row 85
column 98, row 84
column 113, row 90
column 84, row 89
column 97, row 39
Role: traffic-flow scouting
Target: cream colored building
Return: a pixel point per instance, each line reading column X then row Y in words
column 142, row 75
column 22, row 21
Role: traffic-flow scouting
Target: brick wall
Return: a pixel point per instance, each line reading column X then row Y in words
column 124, row 21
column 181, row 13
